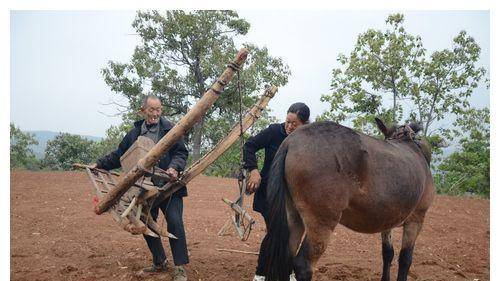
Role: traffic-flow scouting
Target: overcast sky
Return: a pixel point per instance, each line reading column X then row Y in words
column 56, row 57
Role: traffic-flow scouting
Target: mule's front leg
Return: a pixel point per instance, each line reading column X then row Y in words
column 387, row 255
column 410, row 233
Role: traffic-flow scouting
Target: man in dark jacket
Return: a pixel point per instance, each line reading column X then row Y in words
column 174, row 161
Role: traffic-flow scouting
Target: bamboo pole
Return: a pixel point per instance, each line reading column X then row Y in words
column 199, row 166
column 193, row 116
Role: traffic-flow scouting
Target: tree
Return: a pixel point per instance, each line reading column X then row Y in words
column 393, row 65
column 66, row 149
column 181, row 55
column 468, row 169
column 21, row 155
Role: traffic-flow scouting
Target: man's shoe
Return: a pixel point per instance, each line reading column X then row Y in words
column 156, row 268
column 179, row 274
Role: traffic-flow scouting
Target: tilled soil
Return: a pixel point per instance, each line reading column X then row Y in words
column 55, row 235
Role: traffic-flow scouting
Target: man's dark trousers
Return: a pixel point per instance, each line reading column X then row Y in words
column 172, row 210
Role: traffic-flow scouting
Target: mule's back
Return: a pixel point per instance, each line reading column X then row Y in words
column 374, row 184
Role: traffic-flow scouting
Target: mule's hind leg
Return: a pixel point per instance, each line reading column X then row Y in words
column 296, row 227
column 387, row 254
column 411, row 230
column 313, row 246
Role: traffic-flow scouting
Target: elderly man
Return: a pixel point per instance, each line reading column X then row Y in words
column 155, row 127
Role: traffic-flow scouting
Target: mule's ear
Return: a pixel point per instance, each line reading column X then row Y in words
column 381, row 126
column 416, row 126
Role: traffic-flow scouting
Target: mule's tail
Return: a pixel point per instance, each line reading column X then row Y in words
column 277, row 256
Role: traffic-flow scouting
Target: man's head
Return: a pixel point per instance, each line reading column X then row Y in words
column 151, row 109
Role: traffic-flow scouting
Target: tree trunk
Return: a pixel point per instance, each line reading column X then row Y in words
column 431, row 110
column 198, row 128
column 394, row 108
column 197, row 134
column 394, row 95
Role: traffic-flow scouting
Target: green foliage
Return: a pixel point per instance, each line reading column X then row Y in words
column 388, row 67
column 114, row 136
column 228, row 165
column 468, row 169
column 66, row 149
column 21, row 155
column 181, row 55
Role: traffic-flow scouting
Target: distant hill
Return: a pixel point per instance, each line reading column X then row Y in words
column 44, row 136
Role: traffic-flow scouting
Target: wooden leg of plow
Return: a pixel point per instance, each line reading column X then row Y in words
column 130, row 207
column 141, row 225
column 223, row 230
column 148, row 220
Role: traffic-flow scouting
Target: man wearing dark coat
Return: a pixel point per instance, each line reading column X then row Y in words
column 173, row 161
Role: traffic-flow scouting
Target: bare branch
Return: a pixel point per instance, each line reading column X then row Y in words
column 114, row 103
column 112, row 115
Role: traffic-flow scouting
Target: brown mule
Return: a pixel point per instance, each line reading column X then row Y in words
column 324, row 174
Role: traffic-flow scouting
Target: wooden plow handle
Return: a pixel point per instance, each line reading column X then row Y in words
column 180, row 129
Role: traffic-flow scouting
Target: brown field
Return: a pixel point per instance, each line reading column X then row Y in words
column 56, row 236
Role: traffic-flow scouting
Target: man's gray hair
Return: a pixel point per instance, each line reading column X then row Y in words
column 146, row 98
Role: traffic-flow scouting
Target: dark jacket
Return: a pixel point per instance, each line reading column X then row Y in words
column 176, row 156
column 270, row 139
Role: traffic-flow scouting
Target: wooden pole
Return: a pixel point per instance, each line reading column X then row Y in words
column 238, row 251
column 83, row 166
column 199, row 166
column 181, row 128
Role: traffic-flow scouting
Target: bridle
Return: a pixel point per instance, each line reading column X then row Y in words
column 403, row 132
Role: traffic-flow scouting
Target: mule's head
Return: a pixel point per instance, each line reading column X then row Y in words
column 404, row 132
column 407, row 133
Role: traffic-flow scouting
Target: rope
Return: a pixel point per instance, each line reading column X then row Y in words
column 234, row 66
column 240, row 176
